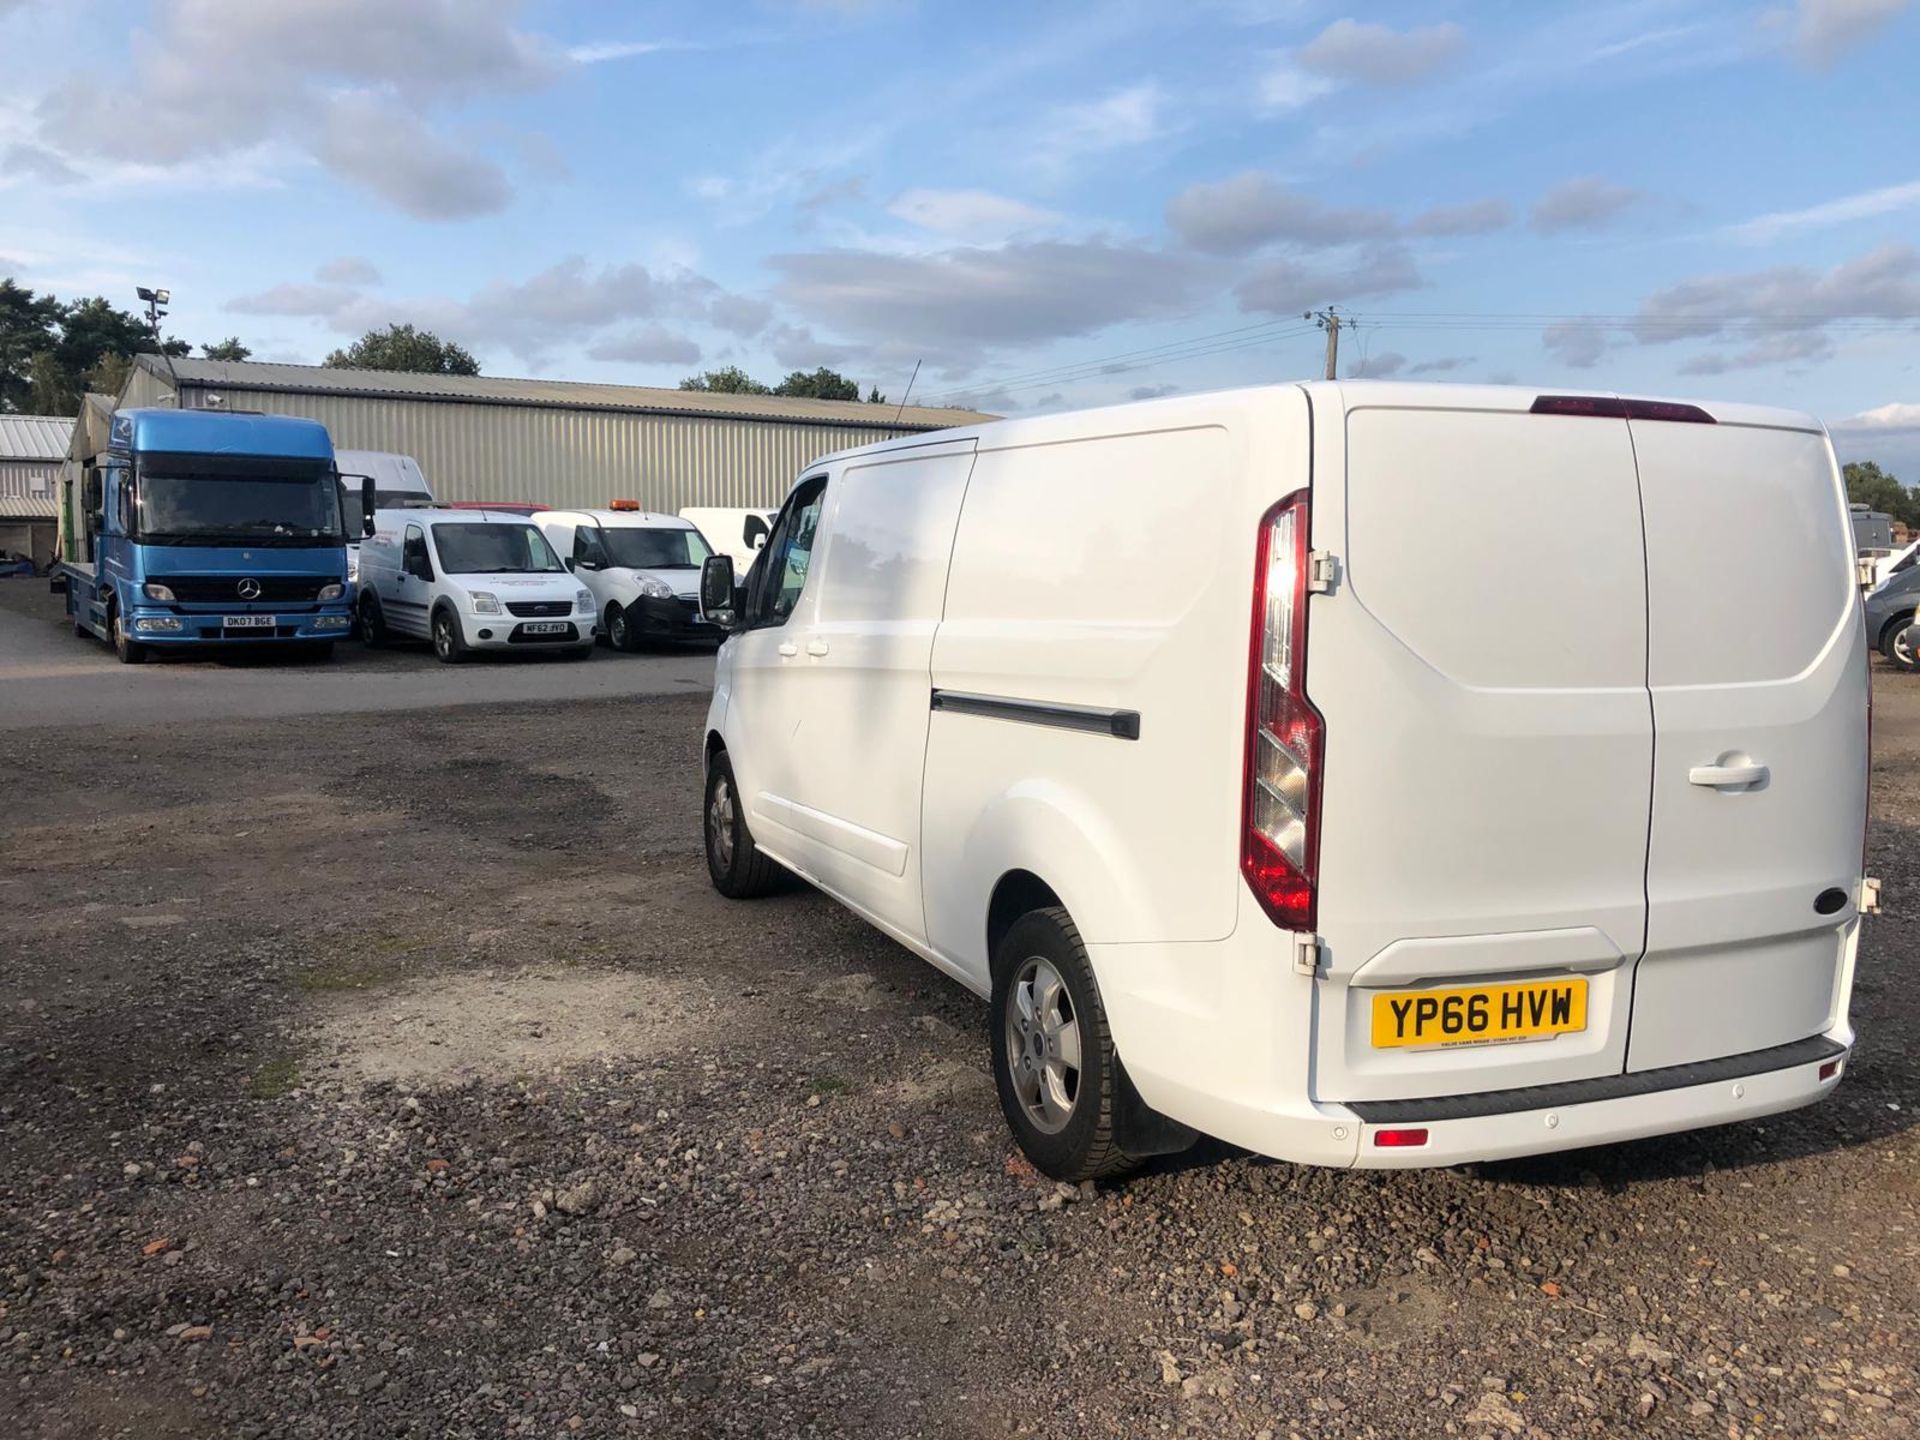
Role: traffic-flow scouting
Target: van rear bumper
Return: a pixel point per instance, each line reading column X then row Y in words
column 1503, row 1124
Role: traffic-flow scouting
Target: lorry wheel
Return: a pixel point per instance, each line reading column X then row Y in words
column 129, row 652
column 1053, row 1059
column 619, row 633
column 448, row 647
column 738, row 870
column 373, row 624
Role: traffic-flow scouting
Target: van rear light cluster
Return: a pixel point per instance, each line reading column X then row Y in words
column 1280, row 841
column 1614, row 407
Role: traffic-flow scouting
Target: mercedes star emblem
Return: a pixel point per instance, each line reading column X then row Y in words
column 249, row 588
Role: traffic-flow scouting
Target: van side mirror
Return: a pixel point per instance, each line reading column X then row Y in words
column 366, row 505
column 570, row 562
column 717, row 596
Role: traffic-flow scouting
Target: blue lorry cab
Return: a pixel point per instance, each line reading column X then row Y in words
column 204, row 528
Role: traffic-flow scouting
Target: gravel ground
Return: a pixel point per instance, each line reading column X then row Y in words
column 401, row 1075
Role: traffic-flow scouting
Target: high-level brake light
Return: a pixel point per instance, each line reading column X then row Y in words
column 1280, row 841
column 1614, row 407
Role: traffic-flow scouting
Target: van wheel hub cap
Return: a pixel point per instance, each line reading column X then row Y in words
column 1043, row 1045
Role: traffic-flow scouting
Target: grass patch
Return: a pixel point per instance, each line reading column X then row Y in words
column 397, row 944
column 830, row 1084
column 274, row 1079
column 357, row 974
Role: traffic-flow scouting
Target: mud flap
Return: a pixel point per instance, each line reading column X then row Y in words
column 1139, row 1129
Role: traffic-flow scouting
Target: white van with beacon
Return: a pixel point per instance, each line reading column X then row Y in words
column 1254, row 759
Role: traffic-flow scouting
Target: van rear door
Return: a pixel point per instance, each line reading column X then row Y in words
column 1481, row 671
column 1757, row 666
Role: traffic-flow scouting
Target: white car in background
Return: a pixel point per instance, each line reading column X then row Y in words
column 466, row 580
column 642, row 567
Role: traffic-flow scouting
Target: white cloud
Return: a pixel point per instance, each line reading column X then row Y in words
column 1283, row 286
column 1764, row 229
column 1285, row 86
column 956, row 304
column 348, row 270
column 1441, row 365
column 1472, row 217
column 1578, row 343
column 1784, row 349
column 1152, row 392
column 598, row 52
column 1583, row 204
column 970, row 214
column 647, row 345
column 212, row 79
column 1883, row 284
column 295, row 298
column 1379, row 367
column 1248, row 211
column 1823, row 30
column 1372, row 54
column 1118, row 121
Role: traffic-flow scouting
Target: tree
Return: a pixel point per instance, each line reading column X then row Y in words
column 822, row 384
column 401, row 347
column 1869, row 485
column 731, row 380
column 228, row 349
column 27, row 324
column 874, row 397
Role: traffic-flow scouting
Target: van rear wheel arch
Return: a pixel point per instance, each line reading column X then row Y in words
column 1015, row 894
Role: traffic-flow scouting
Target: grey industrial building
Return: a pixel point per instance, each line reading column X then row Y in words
column 555, row 442
column 31, row 449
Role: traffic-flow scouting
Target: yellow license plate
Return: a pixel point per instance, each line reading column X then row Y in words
column 1479, row 1014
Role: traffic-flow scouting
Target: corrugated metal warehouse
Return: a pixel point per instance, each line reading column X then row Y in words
column 556, row 442
column 31, row 449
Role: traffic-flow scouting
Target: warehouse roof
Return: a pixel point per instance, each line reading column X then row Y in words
column 28, row 507
column 254, row 375
column 34, row 437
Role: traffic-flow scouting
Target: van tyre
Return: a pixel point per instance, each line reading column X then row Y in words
column 738, row 868
column 619, row 633
column 449, row 646
column 373, row 622
column 1053, row 1058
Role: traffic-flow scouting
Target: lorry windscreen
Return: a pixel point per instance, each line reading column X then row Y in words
column 659, row 548
column 214, row 499
column 491, row 549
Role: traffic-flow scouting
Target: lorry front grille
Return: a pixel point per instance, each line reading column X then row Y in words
column 226, row 589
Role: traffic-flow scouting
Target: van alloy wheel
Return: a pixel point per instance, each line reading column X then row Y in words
column 1901, row 651
column 1043, row 1045
column 720, row 823
column 617, row 634
column 444, row 644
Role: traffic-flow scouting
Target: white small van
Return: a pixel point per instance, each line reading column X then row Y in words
column 732, row 531
column 1274, row 782
column 643, row 569
column 467, row 580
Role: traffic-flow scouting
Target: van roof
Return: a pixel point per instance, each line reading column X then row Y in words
column 428, row 514
column 619, row 519
column 1353, row 395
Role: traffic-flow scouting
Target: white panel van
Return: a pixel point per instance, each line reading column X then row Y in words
column 470, row 580
column 1254, row 759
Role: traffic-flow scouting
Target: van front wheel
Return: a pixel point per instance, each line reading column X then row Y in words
column 738, row 870
column 1053, row 1058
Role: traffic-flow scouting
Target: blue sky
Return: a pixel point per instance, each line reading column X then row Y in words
column 1045, row 205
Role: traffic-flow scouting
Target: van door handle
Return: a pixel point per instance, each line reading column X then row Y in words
column 787, row 647
column 816, row 646
column 1718, row 776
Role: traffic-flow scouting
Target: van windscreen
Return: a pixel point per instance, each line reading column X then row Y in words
column 661, row 548
column 479, row 548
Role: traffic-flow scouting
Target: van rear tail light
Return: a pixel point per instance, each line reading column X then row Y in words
column 1280, row 841
column 1614, row 407
column 1830, row 1069
column 1399, row 1139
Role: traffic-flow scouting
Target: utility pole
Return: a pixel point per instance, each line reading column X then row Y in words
column 1330, row 320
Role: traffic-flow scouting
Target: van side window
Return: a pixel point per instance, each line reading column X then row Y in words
column 780, row 571
column 587, row 547
column 413, row 553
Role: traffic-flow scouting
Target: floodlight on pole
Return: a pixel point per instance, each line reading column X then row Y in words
column 155, row 299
